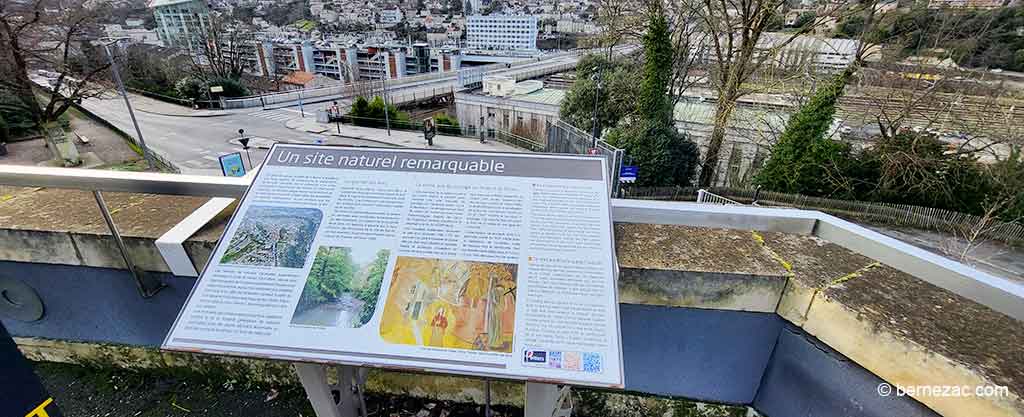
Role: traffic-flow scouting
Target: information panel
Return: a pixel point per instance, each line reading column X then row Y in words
column 486, row 264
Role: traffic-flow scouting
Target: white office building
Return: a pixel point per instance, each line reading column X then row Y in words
column 501, row 33
column 181, row 23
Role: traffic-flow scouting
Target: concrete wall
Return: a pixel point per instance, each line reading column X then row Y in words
column 707, row 314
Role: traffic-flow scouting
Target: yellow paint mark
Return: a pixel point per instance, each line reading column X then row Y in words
column 40, row 411
column 778, row 258
column 180, row 407
column 855, row 274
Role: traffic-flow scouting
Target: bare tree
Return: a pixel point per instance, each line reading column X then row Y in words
column 968, row 233
column 689, row 43
column 220, row 48
column 933, row 94
column 55, row 36
column 619, row 20
column 735, row 29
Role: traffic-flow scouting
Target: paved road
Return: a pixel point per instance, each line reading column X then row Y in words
column 194, row 143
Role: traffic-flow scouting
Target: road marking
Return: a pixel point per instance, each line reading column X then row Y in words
column 212, row 158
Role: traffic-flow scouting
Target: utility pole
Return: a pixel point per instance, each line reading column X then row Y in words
column 384, row 86
column 120, row 86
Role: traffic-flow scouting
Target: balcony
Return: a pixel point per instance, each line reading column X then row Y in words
column 790, row 312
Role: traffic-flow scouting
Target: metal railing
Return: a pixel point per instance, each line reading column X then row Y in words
column 467, row 131
column 997, row 293
column 563, row 137
column 928, row 218
column 351, row 89
column 707, row 197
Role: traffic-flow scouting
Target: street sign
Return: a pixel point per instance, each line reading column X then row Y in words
column 231, row 165
column 628, row 173
column 216, row 89
column 346, row 256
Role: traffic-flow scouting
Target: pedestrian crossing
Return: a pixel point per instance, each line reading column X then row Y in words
column 277, row 115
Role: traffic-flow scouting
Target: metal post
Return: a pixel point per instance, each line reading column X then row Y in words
column 301, row 111
column 127, row 103
column 597, row 98
column 384, row 72
column 547, row 400
column 321, row 394
column 148, row 286
column 487, row 398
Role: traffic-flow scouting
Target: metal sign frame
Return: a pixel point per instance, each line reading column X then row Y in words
column 417, row 367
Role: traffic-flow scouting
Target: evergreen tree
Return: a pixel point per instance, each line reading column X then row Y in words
column 804, row 159
column 664, row 156
column 654, row 104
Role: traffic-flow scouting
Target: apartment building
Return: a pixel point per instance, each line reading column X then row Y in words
column 346, row 63
column 502, row 33
column 181, row 23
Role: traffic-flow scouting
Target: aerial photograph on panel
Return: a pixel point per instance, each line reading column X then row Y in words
column 273, row 236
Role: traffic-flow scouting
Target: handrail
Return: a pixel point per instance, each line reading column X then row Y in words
column 997, row 293
column 123, row 181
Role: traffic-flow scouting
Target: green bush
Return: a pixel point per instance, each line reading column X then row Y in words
column 16, row 116
column 232, row 87
column 4, row 134
column 447, row 125
column 664, row 155
column 372, row 114
column 195, row 89
column 190, row 88
column 1007, row 176
column 916, row 169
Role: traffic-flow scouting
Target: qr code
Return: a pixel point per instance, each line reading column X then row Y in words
column 592, row 362
column 554, row 359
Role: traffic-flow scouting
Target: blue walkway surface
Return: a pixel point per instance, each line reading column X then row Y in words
column 708, row 355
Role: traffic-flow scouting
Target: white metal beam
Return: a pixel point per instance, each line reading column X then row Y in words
column 171, row 243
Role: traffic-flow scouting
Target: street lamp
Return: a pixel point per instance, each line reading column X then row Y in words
column 384, row 86
column 245, row 145
column 120, row 86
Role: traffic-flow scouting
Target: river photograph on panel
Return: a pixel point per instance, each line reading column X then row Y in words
column 342, row 287
column 451, row 304
column 273, row 236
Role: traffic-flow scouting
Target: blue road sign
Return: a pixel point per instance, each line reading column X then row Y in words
column 628, row 173
column 231, row 165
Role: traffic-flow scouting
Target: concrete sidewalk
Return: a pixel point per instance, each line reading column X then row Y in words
column 399, row 138
column 153, row 106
